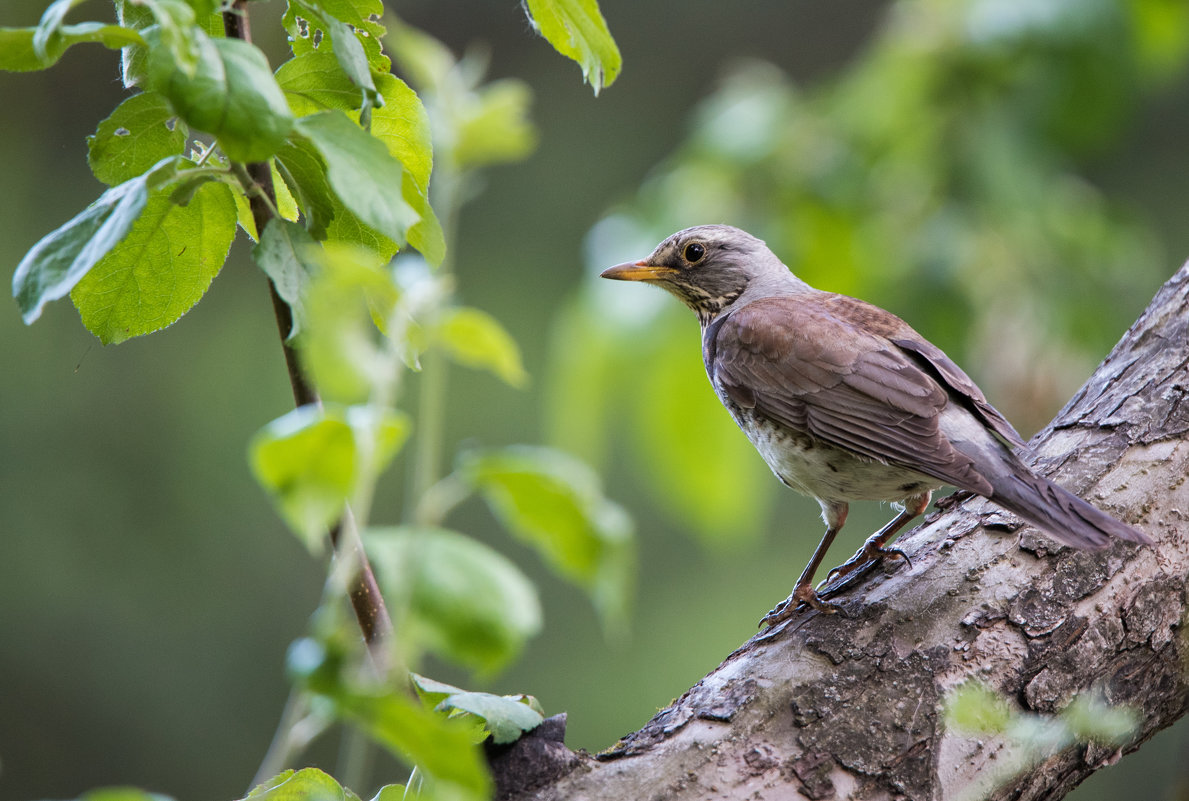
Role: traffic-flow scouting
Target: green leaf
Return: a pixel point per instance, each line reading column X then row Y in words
column 286, row 204
column 175, row 22
column 307, row 784
column 60, row 260
column 283, row 254
column 577, row 30
column 351, row 57
column 504, row 717
column 1091, row 719
column 18, row 54
column 136, row 136
column 307, row 461
column 161, row 268
column 308, row 30
column 465, row 601
column 555, row 503
column 304, row 173
column 403, row 126
column 314, row 82
column 974, row 707
column 439, row 747
column 364, row 176
column 476, row 339
column 48, row 27
column 497, row 129
column 232, row 94
column 340, row 346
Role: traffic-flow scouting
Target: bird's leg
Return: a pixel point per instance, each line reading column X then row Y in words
column 803, row 593
column 873, row 550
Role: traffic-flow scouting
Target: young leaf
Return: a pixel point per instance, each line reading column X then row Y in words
column 60, row 260
column 232, row 94
column 17, row 53
column 286, row 204
column 403, row 126
column 283, row 255
column 314, row 82
column 497, row 129
column 307, row 784
column 555, row 504
column 48, row 27
column 441, row 748
column 340, row 346
column 307, row 462
column 476, row 339
column 577, row 30
column 976, row 708
column 163, row 266
column 504, row 717
column 135, row 137
column 304, row 173
column 465, row 601
column 364, row 176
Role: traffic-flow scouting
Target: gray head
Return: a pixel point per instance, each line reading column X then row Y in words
column 707, row 267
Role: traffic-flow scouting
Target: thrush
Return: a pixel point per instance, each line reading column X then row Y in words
column 846, row 402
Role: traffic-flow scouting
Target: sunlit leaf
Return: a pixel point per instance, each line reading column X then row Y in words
column 496, row 129
column 976, row 708
column 134, row 137
column 577, row 30
column 232, row 94
column 555, row 503
column 60, row 260
column 504, row 717
column 465, row 601
column 341, row 346
column 314, row 82
column 308, row 27
column 362, row 173
column 307, row 784
column 307, row 461
column 476, row 339
column 161, row 268
column 441, row 748
column 18, row 54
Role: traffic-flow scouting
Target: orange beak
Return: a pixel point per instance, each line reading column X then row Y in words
column 638, row 271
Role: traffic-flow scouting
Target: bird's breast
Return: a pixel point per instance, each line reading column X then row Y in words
column 820, row 470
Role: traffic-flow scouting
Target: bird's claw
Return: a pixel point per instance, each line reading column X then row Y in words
column 803, row 595
column 867, row 557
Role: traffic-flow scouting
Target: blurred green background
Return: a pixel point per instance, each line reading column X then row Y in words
column 1007, row 175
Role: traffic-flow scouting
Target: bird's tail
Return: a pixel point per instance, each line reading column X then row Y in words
column 1059, row 512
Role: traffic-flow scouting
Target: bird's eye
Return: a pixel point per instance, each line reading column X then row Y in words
column 694, row 252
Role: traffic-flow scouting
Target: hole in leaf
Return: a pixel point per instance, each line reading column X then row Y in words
column 317, row 39
column 122, row 131
column 303, row 27
column 171, row 123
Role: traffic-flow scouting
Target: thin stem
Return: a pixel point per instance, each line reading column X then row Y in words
column 362, row 588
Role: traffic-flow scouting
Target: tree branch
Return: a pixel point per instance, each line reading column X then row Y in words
column 835, row 706
column 363, row 590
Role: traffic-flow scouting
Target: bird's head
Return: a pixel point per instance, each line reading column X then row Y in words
column 706, row 267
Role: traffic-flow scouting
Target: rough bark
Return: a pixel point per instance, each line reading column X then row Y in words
column 849, row 705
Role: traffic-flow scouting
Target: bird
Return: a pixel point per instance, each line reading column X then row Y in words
column 846, row 402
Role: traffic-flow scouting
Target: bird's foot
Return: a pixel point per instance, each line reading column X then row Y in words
column 864, row 559
column 803, row 595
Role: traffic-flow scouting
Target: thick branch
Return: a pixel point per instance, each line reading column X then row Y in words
column 364, row 591
column 837, row 706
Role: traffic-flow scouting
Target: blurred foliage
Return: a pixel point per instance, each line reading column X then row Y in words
column 974, row 709
column 351, row 150
column 938, row 173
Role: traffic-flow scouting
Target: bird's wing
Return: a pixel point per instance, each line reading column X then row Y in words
column 801, row 364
